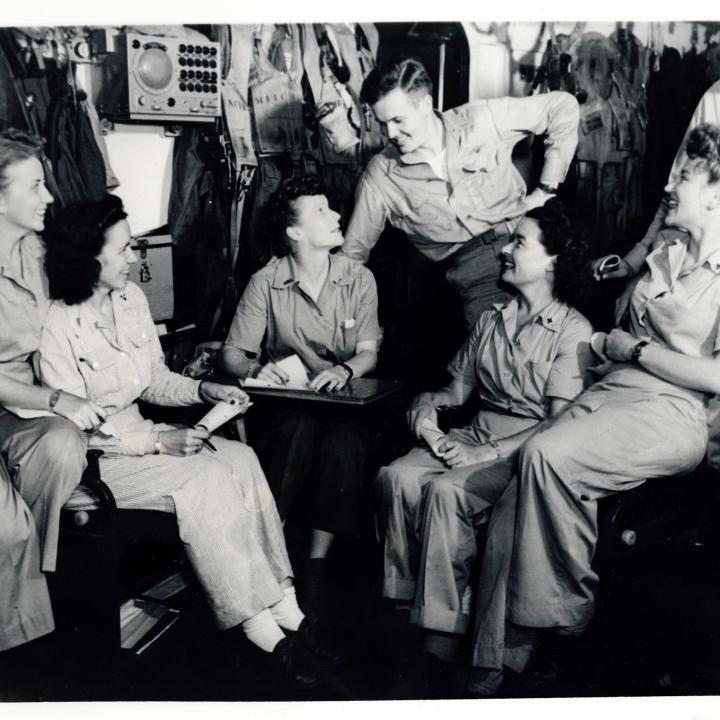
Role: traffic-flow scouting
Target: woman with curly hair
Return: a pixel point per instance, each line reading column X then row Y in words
column 321, row 307
column 645, row 418
column 99, row 342
column 525, row 361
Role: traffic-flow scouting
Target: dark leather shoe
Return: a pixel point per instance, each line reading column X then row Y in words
column 289, row 661
column 314, row 639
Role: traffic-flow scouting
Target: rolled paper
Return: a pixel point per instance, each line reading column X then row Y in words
column 219, row 414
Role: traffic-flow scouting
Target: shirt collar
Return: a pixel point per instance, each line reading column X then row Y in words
column 549, row 317
column 673, row 253
column 286, row 272
column 29, row 244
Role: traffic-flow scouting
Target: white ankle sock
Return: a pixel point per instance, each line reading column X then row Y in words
column 263, row 631
column 287, row 613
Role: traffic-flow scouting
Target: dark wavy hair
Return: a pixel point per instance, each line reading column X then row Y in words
column 75, row 238
column 408, row 74
column 280, row 211
column 16, row 146
column 703, row 144
column 564, row 236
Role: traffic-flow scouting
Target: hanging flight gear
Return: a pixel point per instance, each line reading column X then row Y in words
column 608, row 80
column 277, row 99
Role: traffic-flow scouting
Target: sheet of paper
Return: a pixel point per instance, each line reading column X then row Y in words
column 296, row 371
column 221, row 413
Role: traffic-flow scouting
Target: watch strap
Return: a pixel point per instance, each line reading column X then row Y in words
column 637, row 349
column 52, row 400
column 348, row 370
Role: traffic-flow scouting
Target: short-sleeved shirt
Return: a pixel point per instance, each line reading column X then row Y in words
column 80, row 354
column 517, row 371
column 24, row 301
column 482, row 187
column 277, row 317
column 677, row 309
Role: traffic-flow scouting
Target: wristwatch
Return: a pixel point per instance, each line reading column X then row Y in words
column 549, row 189
column 348, row 370
column 636, row 351
column 52, row 400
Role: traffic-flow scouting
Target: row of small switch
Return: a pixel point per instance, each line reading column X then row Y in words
column 197, row 49
column 196, row 62
column 200, row 75
column 197, row 87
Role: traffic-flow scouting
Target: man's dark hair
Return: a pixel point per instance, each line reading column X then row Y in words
column 75, row 238
column 280, row 210
column 566, row 238
column 408, row 74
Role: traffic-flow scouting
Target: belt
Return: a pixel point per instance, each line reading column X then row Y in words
column 496, row 232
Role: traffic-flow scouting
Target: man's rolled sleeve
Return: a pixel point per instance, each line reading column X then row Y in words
column 555, row 114
column 569, row 373
column 251, row 317
column 367, row 221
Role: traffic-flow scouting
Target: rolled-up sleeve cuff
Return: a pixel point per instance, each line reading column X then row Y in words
column 554, row 170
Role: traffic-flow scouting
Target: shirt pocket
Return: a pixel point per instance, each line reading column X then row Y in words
column 346, row 332
column 490, row 182
column 100, row 370
column 424, row 212
column 142, row 356
column 534, row 380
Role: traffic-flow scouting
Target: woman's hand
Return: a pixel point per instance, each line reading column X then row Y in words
column 212, row 393
column 182, row 442
column 272, row 373
column 86, row 414
column 420, row 409
column 457, row 453
column 619, row 345
column 623, row 270
column 333, row 378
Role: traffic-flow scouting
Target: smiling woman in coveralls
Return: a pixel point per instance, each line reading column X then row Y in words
column 645, row 418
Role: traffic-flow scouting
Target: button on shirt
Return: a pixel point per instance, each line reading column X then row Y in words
column 515, row 371
column 482, row 188
column 277, row 316
column 24, row 302
column 80, row 353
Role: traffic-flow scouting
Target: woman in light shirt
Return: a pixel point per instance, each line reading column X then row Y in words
column 321, row 307
column 99, row 342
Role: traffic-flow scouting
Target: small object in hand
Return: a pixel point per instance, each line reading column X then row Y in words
column 209, row 445
column 609, row 264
